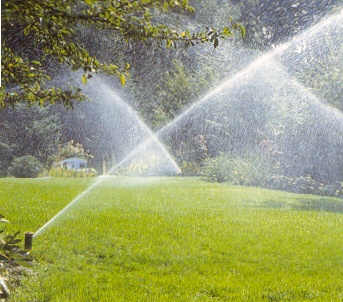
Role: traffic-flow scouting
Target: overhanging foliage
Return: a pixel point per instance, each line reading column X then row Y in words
column 39, row 33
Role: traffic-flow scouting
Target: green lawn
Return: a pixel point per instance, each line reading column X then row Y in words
column 176, row 239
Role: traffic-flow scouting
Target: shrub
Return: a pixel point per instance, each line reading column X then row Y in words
column 150, row 164
column 189, row 168
column 12, row 259
column 218, row 169
column 65, row 172
column 26, row 166
column 304, row 184
column 251, row 170
column 65, row 151
column 5, row 158
column 68, row 150
column 254, row 170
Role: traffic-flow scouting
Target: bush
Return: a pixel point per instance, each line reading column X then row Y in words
column 12, row 258
column 250, row 171
column 5, row 158
column 65, row 172
column 151, row 163
column 305, row 185
column 26, row 166
column 189, row 168
column 218, row 169
column 254, row 170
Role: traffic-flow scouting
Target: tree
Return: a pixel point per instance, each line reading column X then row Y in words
column 5, row 158
column 28, row 130
column 38, row 35
column 26, row 166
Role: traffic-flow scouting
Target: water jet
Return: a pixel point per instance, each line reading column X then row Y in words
column 260, row 93
column 140, row 135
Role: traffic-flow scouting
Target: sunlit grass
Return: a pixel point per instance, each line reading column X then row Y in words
column 27, row 203
column 177, row 239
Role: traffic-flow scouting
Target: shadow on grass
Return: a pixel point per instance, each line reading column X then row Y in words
column 333, row 206
column 303, row 204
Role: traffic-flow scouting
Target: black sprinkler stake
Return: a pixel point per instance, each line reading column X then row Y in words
column 28, row 240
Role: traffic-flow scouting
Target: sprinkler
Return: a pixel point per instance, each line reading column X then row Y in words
column 28, row 240
column 103, row 167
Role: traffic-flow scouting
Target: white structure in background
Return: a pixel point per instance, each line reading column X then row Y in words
column 74, row 163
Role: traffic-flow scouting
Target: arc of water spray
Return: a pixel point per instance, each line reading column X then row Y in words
column 60, row 213
column 225, row 84
column 255, row 64
column 335, row 19
column 153, row 138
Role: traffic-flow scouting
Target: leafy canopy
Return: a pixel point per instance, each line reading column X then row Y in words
column 38, row 33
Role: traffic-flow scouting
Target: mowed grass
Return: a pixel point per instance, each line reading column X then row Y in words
column 176, row 239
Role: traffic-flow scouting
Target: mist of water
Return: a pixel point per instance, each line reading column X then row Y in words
column 281, row 51
column 141, row 132
column 66, row 208
column 266, row 83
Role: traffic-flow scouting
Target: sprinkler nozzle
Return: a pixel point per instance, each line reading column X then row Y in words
column 28, row 240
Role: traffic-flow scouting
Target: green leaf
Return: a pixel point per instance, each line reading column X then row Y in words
column 226, row 32
column 84, row 79
column 13, row 236
column 3, row 257
column 89, row 2
column 24, row 264
column 122, row 79
column 15, row 241
column 241, row 28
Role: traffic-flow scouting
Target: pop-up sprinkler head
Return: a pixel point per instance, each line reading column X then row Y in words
column 28, row 240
